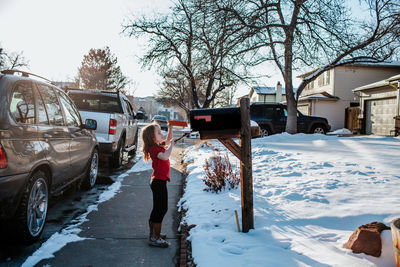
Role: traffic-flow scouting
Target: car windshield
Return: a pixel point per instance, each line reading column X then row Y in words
column 96, row 103
column 160, row 118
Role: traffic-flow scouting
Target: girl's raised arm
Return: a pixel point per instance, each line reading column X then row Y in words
column 165, row 155
column 169, row 135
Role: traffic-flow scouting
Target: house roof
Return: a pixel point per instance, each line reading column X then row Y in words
column 361, row 64
column 263, row 90
column 377, row 84
column 321, row 96
column 378, row 64
column 394, row 78
column 243, row 96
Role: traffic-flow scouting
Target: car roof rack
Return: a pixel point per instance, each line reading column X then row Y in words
column 25, row 74
column 91, row 90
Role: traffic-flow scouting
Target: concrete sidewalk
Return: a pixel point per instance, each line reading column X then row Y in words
column 118, row 232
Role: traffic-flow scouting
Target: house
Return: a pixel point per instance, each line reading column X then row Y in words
column 332, row 92
column 267, row 94
column 380, row 106
column 152, row 107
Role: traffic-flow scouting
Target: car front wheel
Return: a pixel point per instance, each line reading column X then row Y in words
column 32, row 211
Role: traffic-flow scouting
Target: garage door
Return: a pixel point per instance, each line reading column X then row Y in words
column 379, row 116
column 303, row 109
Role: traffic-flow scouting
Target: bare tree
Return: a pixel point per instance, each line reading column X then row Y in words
column 12, row 60
column 296, row 33
column 176, row 88
column 199, row 39
column 176, row 91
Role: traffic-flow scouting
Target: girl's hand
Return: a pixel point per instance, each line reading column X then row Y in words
column 169, row 140
column 170, row 128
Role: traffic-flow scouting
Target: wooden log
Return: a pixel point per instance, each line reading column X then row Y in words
column 246, row 176
column 255, row 131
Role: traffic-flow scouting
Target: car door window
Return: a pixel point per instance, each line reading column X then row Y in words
column 52, row 105
column 257, row 112
column 128, row 107
column 42, row 114
column 71, row 114
column 280, row 113
column 22, row 105
column 269, row 112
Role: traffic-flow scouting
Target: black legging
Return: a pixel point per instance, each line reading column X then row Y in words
column 160, row 200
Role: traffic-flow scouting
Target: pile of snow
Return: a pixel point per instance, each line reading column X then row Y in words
column 310, row 193
column 340, row 131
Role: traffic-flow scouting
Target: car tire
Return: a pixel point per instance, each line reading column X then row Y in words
column 133, row 151
column 32, row 211
column 318, row 129
column 118, row 155
column 265, row 132
column 89, row 180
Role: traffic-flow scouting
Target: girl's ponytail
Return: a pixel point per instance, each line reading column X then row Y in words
column 148, row 140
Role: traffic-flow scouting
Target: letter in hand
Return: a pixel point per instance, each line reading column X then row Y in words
column 179, row 138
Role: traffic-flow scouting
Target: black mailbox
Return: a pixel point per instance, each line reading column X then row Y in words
column 214, row 123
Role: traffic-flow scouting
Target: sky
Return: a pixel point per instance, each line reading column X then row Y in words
column 54, row 35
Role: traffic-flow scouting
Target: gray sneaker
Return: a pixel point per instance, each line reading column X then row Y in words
column 163, row 236
column 158, row 242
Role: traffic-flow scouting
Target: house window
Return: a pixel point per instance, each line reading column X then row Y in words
column 321, row 80
column 326, row 78
column 312, row 84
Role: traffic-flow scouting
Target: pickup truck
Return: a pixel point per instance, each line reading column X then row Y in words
column 272, row 119
column 117, row 130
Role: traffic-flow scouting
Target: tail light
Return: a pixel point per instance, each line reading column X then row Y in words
column 113, row 126
column 3, row 159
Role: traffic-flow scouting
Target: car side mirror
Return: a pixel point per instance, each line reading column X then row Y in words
column 90, row 124
column 139, row 116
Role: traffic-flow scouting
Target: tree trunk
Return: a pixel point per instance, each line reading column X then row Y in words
column 291, row 122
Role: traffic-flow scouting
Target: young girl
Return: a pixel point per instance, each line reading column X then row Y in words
column 158, row 150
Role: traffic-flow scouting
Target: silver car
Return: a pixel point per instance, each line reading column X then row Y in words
column 44, row 147
column 162, row 121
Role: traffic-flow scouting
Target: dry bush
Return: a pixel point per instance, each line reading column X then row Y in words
column 219, row 174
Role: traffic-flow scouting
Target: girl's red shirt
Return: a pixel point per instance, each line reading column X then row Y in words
column 160, row 167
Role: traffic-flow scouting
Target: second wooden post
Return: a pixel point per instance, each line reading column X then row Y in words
column 246, row 176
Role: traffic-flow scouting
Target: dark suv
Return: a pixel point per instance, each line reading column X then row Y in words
column 44, row 147
column 272, row 119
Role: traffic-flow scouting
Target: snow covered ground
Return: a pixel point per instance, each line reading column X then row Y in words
column 310, row 193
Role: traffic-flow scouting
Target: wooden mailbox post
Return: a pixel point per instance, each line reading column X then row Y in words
column 242, row 151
